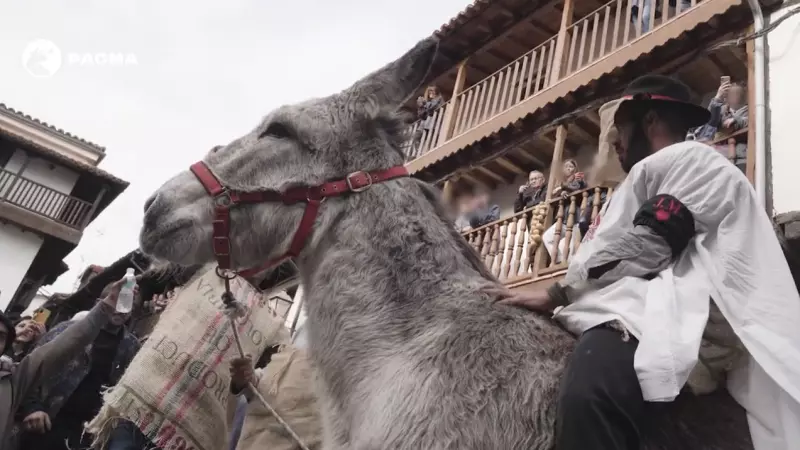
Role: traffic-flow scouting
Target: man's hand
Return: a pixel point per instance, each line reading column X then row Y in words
column 728, row 123
column 242, row 373
column 723, row 90
column 523, row 188
column 532, row 300
column 113, row 294
column 38, row 422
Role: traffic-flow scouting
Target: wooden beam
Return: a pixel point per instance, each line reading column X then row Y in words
column 95, row 205
column 491, row 174
column 550, row 32
column 750, row 170
column 510, row 166
column 574, row 128
column 559, row 61
column 594, row 117
column 527, row 156
column 448, row 123
column 475, row 180
column 558, row 155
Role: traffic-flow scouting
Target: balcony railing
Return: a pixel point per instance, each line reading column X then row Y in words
column 512, row 247
column 42, row 200
column 587, row 41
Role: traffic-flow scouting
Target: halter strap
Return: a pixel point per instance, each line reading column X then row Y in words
column 313, row 196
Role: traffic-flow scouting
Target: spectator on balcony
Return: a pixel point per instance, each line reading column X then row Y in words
column 427, row 104
column 477, row 211
column 646, row 7
column 572, row 181
column 531, row 193
column 28, row 331
column 729, row 114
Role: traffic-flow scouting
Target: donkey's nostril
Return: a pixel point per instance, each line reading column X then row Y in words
column 149, row 202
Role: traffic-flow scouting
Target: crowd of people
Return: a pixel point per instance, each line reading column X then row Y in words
column 52, row 381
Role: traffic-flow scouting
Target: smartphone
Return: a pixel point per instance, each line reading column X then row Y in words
column 725, row 80
column 41, row 316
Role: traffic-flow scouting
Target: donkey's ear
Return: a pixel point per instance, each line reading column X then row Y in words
column 393, row 84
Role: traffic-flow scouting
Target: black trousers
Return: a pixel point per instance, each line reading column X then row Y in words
column 600, row 405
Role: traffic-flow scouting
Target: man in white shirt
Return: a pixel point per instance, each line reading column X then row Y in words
column 683, row 227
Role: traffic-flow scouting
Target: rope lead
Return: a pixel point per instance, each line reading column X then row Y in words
column 234, row 310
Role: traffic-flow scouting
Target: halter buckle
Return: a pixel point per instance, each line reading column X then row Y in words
column 356, row 188
column 223, row 199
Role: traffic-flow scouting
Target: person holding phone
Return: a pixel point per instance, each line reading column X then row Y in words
column 531, row 193
column 729, row 112
column 20, row 380
column 28, row 330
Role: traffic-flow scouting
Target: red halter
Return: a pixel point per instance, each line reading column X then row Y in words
column 312, row 196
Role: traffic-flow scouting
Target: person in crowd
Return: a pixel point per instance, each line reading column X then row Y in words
column 531, row 193
column 65, row 402
column 463, row 204
column 646, row 8
column 427, row 104
column 729, row 114
column 286, row 381
column 572, row 180
column 479, row 210
column 47, row 360
column 27, row 331
column 653, row 266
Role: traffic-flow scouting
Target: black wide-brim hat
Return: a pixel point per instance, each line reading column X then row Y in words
column 651, row 89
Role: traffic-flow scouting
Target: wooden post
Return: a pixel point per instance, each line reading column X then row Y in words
column 750, row 169
column 94, row 207
column 562, row 42
column 449, row 122
column 16, row 175
column 558, row 155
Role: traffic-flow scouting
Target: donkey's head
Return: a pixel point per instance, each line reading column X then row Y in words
column 299, row 145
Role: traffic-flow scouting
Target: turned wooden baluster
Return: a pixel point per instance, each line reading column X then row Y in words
column 510, row 246
column 518, row 245
column 596, row 203
column 487, row 238
column 525, row 242
column 497, row 264
column 494, row 234
column 570, row 224
column 557, row 236
column 584, row 205
column 476, row 241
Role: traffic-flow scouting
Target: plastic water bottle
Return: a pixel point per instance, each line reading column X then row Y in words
column 125, row 299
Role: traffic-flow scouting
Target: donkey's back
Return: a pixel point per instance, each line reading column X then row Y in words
column 490, row 380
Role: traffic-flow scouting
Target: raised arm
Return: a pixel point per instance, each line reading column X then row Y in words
column 48, row 359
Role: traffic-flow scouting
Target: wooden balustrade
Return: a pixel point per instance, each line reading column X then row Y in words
column 506, row 246
column 42, row 200
column 614, row 25
column 573, row 208
column 588, row 40
column 512, row 249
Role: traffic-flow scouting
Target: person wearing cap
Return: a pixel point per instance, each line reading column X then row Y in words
column 16, row 382
column 682, row 251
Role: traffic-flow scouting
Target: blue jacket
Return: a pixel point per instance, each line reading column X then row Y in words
column 55, row 391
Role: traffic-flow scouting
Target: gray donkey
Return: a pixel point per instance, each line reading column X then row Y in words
column 410, row 351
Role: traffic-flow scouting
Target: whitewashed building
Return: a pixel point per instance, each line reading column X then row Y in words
column 50, row 190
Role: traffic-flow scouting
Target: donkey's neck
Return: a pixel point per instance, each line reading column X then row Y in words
column 384, row 262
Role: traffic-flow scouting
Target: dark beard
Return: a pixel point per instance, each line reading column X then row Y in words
column 639, row 148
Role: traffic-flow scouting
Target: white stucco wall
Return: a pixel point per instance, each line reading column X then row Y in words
column 56, row 177
column 17, row 250
column 783, row 65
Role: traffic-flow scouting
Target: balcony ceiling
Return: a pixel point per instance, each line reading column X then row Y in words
column 516, row 140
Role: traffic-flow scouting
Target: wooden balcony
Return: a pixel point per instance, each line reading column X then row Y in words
column 581, row 52
column 38, row 207
column 512, row 247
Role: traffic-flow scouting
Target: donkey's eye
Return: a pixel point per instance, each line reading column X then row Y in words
column 276, row 130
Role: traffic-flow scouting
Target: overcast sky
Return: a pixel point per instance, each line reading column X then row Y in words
column 199, row 73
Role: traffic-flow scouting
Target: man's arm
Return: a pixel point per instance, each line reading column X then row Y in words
column 48, row 359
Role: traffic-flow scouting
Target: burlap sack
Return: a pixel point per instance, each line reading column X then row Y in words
column 287, row 384
column 177, row 387
column 606, row 170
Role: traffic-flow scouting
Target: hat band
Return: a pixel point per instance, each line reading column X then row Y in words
column 651, row 97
